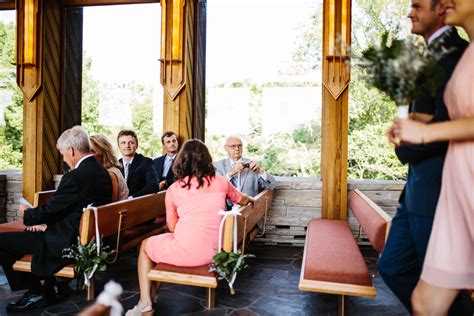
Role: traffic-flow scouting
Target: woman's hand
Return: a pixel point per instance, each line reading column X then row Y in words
column 246, row 199
column 37, row 228
column 409, row 131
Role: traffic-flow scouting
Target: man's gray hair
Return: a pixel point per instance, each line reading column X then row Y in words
column 76, row 138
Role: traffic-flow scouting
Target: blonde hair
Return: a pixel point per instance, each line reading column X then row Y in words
column 101, row 145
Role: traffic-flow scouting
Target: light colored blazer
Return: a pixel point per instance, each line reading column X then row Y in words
column 251, row 183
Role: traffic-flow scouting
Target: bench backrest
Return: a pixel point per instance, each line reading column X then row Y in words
column 42, row 197
column 115, row 186
column 251, row 214
column 374, row 221
column 116, row 217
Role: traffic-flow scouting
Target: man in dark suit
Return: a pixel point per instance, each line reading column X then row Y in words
column 402, row 259
column 137, row 169
column 88, row 182
column 164, row 164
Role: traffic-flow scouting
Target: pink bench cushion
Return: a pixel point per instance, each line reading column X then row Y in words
column 201, row 270
column 15, row 226
column 332, row 254
column 373, row 225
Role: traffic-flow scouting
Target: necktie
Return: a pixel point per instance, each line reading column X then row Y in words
column 126, row 165
column 167, row 167
column 233, row 180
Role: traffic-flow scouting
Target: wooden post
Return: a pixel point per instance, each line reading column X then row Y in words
column 182, row 66
column 40, row 77
column 336, row 78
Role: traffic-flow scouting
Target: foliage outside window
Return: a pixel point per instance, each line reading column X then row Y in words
column 11, row 140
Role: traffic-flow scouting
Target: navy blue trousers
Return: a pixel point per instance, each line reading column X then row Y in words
column 402, row 258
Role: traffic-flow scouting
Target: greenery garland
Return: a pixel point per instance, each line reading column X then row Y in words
column 86, row 257
column 227, row 265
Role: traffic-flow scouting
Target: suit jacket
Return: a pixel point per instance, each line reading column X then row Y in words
column 88, row 184
column 428, row 103
column 141, row 176
column 422, row 189
column 251, row 183
column 159, row 164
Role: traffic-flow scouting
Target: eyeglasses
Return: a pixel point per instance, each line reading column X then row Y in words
column 235, row 146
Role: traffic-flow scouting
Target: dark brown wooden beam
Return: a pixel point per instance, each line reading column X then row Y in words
column 85, row 3
column 7, row 4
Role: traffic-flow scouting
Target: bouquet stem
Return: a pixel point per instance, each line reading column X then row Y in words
column 402, row 111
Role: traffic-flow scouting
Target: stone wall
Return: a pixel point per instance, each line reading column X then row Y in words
column 13, row 191
column 295, row 202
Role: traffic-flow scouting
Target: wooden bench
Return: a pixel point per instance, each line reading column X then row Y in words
column 128, row 222
column 17, row 226
column 332, row 261
column 42, row 197
column 200, row 276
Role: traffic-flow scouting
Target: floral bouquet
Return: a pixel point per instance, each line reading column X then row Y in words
column 227, row 265
column 403, row 69
column 88, row 259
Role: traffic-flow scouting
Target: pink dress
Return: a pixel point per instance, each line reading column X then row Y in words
column 449, row 261
column 195, row 237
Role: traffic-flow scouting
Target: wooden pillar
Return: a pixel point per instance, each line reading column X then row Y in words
column 182, row 66
column 40, row 64
column 336, row 78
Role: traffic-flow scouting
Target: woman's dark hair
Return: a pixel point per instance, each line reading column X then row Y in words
column 194, row 160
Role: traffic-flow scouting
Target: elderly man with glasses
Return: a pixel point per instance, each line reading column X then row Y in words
column 246, row 175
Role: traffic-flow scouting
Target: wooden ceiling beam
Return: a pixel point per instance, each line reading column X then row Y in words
column 85, row 3
column 7, row 4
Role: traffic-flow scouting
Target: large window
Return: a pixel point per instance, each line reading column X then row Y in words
column 263, row 81
column 120, row 80
column 371, row 112
column 11, row 98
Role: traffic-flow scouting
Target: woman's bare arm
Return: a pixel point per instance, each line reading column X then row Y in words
column 418, row 133
column 245, row 199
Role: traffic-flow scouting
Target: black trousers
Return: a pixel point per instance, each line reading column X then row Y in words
column 13, row 246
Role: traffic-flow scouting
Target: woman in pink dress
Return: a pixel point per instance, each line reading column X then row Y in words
column 449, row 261
column 192, row 205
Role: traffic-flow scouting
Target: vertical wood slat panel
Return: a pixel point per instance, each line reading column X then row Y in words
column 51, row 94
column 199, row 82
column 72, row 74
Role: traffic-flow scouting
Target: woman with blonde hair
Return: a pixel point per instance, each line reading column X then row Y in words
column 448, row 267
column 104, row 154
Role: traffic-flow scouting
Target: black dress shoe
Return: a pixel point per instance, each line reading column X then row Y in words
column 27, row 302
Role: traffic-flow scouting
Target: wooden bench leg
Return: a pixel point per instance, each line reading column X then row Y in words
column 91, row 289
column 341, row 304
column 211, row 298
column 155, row 286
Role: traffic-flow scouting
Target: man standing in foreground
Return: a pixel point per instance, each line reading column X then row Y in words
column 243, row 173
column 164, row 164
column 402, row 258
column 138, row 170
column 88, row 182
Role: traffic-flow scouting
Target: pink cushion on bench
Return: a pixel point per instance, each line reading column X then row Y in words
column 332, row 254
column 15, row 226
column 201, row 270
column 373, row 225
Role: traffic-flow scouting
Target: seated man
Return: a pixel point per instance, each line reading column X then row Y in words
column 243, row 173
column 138, row 170
column 164, row 164
column 87, row 183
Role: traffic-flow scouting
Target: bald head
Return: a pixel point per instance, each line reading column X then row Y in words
column 234, row 147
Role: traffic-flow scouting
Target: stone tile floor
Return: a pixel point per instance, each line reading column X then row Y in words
column 269, row 286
